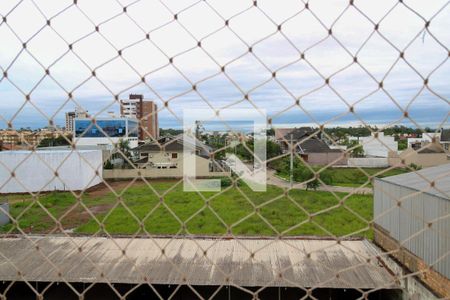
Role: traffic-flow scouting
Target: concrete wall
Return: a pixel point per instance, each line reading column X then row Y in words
column 410, row 156
column 49, row 170
column 404, row 216
column 93, row 141
column 323, row 159
column 368, row 162
column 154, row 173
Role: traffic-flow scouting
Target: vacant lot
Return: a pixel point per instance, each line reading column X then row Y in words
column 353, row 177
column 164, row 208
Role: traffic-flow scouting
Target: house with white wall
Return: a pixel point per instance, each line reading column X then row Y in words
column 377, row 144
column 427, row 137
column 166, row 156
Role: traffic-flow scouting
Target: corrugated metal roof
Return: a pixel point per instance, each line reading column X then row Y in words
column 420, row 180
column 184, row 261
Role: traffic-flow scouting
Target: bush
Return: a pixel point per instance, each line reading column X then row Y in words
column 415, row 167
column 302, row 174
column 108, row 165
column 225, row 181
column 326, row 177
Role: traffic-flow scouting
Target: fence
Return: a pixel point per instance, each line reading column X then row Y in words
column 154, row 173
column 368, row 162
column 314, row 65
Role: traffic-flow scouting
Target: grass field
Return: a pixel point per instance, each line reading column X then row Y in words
column 353, row 177
column 179, row 212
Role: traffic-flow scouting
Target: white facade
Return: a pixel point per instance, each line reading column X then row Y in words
column 377, row 147
column 35, row 171
column 427, row 137
column 107, row 143
column 129, row 108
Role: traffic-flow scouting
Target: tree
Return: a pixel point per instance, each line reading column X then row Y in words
column 123, row 151
column 59, row 141
column 402, row 144
column 273, row 149
column 302, row 174
column 356, row 149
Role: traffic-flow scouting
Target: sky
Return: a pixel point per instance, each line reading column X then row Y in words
column 176, row 45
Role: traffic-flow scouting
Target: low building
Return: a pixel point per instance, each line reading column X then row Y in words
column 39, row 171
column 105, row 131
column 166, row 155
column 377, row 145
column 445, row 139
column 27, row 139
column 286, row 136
column 427, row 137
column 317, row 152
column 411, row 221
column 309, row 146
column 432, row 154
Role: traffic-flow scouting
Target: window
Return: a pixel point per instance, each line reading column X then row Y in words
column 174, row 155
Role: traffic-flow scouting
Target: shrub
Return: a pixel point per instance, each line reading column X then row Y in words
column 225, row 181
column 326, row 177
column 415, row 167
column 108, row 165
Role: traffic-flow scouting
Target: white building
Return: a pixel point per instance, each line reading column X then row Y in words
column 105, row 131
column 377, row 146
column 427, row 137
column 49, row 170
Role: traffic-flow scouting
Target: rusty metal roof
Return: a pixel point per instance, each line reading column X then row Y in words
column 197, row 261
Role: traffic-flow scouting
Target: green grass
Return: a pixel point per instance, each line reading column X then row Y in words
column 353, row 177
column 181, row 212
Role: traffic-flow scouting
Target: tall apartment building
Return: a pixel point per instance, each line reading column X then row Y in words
column 145, row 111
column 71, row 115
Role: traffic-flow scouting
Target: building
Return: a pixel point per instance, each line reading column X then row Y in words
column 70, row 116
column 105, row 131
column 165, row 158
column 445, row 139
column 309, row 146
column 284, row 136
column 215, row 268
column 26, row 139
column 143, row 110
column 411, row 221
column 430, row 155
column 427, row 137
column 377, row 145
column 35, row 171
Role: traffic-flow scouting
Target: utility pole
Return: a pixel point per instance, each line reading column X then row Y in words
column 291, row 177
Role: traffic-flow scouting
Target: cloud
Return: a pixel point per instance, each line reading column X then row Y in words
column 175, row 54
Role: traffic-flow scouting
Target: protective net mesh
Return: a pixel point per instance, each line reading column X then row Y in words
column 117, row 222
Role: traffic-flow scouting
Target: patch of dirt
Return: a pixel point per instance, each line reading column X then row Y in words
column 79, row 215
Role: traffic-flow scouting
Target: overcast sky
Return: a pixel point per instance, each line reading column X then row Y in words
column 401, row 29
